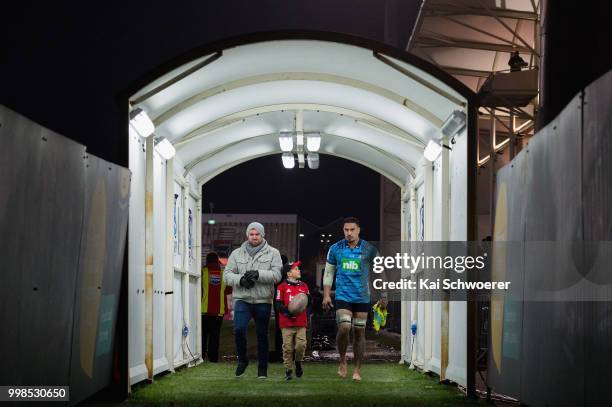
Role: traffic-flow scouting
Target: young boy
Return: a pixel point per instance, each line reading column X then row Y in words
column 292, row 326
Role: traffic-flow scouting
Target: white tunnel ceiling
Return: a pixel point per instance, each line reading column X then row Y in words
column 231, row 110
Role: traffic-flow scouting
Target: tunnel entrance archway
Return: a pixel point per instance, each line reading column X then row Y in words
column 227, row 102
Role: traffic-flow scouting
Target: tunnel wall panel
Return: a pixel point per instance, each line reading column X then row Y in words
column 557, row 190
column 597, row 201
column 41, row 202
column 136, row 261
column 64, row 219
column 103, row 241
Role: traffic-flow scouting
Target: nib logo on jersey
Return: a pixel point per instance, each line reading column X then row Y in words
column 351, row 264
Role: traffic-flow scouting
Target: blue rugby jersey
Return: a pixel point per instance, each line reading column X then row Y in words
column 352, row 270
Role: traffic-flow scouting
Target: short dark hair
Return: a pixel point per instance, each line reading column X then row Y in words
column 351, row 219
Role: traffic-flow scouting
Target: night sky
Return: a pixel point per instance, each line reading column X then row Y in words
column 66, row 64
column 339, row 188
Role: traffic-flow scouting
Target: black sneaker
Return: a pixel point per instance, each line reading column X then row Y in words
column 298, row 369
column 262, row 373
column 241, row 368
column 288, row 373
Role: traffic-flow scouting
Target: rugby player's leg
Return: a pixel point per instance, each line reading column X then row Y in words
column 359, row 325
column 343, row 319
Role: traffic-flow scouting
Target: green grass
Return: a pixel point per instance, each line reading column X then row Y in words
column 384, row 384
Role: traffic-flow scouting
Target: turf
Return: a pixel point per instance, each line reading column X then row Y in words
column 384, row 384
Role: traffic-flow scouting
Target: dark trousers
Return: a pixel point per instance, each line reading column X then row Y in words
column 211, row 328
column 243, row 312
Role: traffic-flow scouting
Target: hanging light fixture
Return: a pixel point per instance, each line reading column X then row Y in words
column 285, row 139
column 140, row 121
column 313, row 141
column 288, row 160
column 313, row 160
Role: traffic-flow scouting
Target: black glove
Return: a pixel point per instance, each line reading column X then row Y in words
column 246, row 283
column 252, row 275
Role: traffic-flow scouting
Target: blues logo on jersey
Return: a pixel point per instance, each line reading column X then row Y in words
column 352, row 270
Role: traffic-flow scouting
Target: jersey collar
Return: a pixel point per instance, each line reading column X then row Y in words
column 356, row 247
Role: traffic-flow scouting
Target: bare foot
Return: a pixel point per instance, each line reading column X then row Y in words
column 357, row 376
column 342, row 369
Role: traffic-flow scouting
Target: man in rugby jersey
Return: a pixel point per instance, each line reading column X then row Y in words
column 349, row 262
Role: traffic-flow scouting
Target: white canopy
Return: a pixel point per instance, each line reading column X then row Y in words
column 228, row 106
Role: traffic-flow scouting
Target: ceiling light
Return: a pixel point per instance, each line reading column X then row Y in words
column 432, row 151
column 313, row 141
column 164, row 148
column 313, row 160
column 288, row 160
column 140, row 121
column 454, row 123
column 286, row 141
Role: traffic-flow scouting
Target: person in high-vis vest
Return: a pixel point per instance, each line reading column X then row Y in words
column 214, row 304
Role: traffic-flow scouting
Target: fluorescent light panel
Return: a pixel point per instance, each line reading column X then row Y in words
column 140, row 121
column 288, row 160
column 432, row 151
column 313, row 141
column 165, row 148
column 313, row 160
column 286, row 141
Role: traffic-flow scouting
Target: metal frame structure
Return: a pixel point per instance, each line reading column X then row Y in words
column 472, row 40
column 380, row 112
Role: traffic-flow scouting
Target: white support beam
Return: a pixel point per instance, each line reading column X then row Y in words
column 169, row 266
column 395, row 158
column 185, row 268
column 298, row 76
column 209, row 176
column 215, row 125
column 149, row 162
column 198, row 249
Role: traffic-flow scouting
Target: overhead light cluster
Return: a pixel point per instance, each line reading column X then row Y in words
column 313, row 144
column 143, row 125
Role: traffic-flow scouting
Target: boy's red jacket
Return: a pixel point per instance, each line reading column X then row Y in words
column 285, row 293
